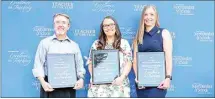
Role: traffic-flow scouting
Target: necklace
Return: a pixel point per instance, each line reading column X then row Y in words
column 109, row 46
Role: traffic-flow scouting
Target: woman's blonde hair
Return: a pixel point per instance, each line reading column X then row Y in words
column 140, row 33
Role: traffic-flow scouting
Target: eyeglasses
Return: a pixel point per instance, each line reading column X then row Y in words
column 61, row 22
column 108, row 25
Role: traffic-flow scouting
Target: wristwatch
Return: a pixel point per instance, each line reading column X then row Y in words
column 168, row 76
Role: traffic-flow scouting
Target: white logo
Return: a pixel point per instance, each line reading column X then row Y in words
column 22, row 6
column 203, row 36
column 19, row 57
column 202, row 88
column 103, row 6
column 173, row 35
column 42, row 31
column 36, row 84
column 171, row 88
column 85, row 32
column 182, row 9
column 128, row 33
column 86, row 58
column 62, row 5
column 138, row 7
column 182, row 60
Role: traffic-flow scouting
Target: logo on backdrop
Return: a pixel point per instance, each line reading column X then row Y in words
column 128, row 33
column 182, row 9
column 104, row 6
column 86, row 58
column 204, row 36
column 173, row 35
column 184, row 61
column 22, row 6
column 67, row 5
column 36, row 84
column 19, row 57
column 138, row 7
column 200, row 88
column 84, row 32
column 42, row 31
column 171, row 88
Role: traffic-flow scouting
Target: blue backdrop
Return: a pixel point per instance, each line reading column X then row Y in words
column 191, row 23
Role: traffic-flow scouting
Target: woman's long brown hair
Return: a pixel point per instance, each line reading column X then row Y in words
column 103, row 38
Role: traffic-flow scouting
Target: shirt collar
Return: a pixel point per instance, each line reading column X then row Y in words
column 54, row 37
column 153, row 31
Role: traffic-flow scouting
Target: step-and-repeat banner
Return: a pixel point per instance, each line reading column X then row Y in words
column 191, row 23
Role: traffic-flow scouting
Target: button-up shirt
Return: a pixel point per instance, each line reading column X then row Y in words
column 53, row 45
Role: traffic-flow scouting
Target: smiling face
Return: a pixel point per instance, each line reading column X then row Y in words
column 109, row 33
column 61, row 25
column 109, row 27
column 149, row 17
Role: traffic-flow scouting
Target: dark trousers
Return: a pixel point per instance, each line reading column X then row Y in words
column 151, row 92
column 58, row 92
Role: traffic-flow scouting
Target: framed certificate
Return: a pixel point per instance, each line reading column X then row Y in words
column 61, row 70
column 150, row 68
column 106, row 66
